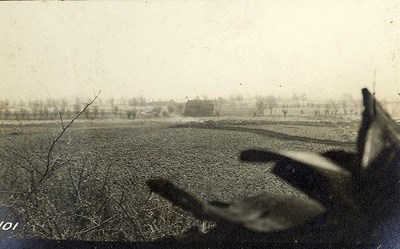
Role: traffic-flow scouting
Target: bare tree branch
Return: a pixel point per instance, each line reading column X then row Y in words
column 49, row 166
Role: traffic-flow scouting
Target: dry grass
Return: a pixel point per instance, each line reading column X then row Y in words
column 99, row 193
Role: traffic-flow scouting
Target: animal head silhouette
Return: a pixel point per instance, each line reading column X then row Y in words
column 354, row 197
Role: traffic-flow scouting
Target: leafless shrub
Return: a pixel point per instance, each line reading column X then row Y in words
column 102, row 112
column 95, row 110
column 131, row 114
column 57, row 191
column 284, row 111
column 115, row 110
column 157, row 110
column 165, row 114
column 54, row 190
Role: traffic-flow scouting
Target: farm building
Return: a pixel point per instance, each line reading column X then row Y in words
column 199, row 108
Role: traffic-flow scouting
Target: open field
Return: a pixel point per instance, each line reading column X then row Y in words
column 199, row 155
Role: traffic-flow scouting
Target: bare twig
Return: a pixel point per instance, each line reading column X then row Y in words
column 132, row 219
column 97, row 226
column 50, row 167
column 65, row 128
column 156, row 208
column 54, row 222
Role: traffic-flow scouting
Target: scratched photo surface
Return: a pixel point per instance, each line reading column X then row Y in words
column 128, row 121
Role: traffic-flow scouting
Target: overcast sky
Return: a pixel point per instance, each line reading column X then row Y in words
column 173, row 49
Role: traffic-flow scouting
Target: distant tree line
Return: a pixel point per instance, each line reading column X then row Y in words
column 133, row 107
column 48, row 109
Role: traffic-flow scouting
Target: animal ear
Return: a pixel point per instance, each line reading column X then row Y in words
column 377, row 133
column 319, row 163
column 378, row 159
column 317, row 176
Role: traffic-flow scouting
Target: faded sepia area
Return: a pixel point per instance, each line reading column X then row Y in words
column 98, row 97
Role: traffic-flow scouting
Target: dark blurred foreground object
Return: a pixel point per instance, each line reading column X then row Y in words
column 353, row 197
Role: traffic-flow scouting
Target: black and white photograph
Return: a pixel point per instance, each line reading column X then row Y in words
column 199, row 122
